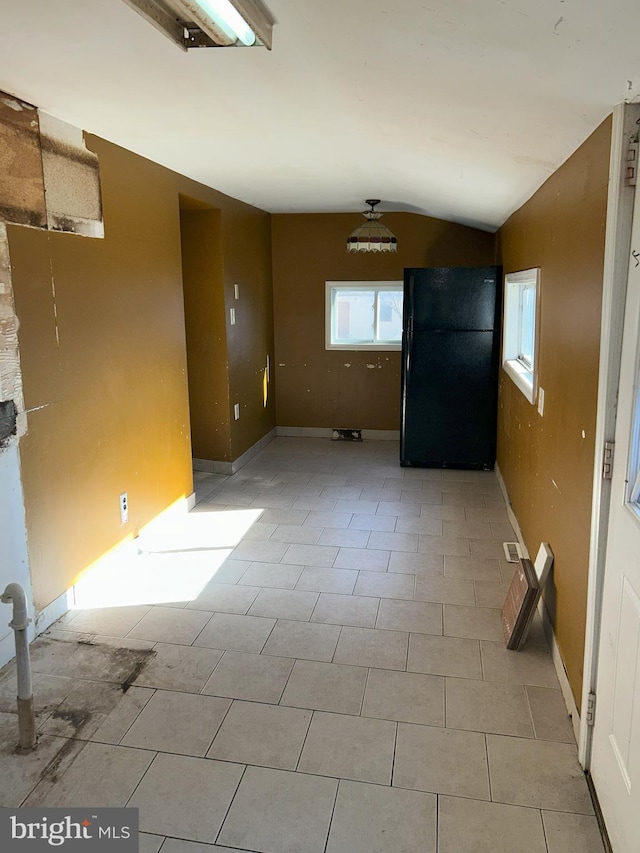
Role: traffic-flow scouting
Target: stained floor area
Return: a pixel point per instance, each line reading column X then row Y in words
column 338, row 683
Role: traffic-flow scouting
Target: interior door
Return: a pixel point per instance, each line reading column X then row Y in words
column 615, row 761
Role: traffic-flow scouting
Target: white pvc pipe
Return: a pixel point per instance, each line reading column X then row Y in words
column 14, row 594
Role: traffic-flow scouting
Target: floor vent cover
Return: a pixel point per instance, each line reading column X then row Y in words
column 346, row 435
column 512, row 552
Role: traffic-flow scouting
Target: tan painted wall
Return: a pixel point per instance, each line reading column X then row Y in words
column 547, row 462
column 315, row 387
column 205, row 321
column 102, row 340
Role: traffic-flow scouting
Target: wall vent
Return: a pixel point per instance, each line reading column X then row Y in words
column 346, row 435
column 512, row 552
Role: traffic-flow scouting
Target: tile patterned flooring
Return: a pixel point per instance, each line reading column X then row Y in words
column 340, row 685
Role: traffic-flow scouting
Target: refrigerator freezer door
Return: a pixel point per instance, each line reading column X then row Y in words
column 451, row 298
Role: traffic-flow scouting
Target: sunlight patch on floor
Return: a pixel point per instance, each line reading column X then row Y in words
column 171, row 561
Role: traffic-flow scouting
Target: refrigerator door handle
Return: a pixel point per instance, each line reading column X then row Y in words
column 408, row 348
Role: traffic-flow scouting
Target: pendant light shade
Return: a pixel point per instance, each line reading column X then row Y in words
column 372, row 235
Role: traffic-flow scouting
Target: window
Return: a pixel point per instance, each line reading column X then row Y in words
column 363, row 315
column 519, row 332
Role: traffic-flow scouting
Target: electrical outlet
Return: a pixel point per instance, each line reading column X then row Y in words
column 232, row 316
column 124, row 508
column 236, row 291
column 541, row 401
column 236, row 411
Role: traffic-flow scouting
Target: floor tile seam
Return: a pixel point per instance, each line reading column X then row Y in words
column 224, row 651
column 63, row 739
column 153, row 690
column 306, row 735
column 226, row 814
column 333, row 810
column 150, row 765
column 220, row 724
column 444, row 794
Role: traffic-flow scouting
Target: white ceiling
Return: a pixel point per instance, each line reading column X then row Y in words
column 458, row 109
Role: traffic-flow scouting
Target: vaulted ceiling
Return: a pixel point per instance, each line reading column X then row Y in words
column 458, row 109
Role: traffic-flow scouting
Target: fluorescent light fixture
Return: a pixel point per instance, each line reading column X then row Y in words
column 209, row 23
column 224, row 17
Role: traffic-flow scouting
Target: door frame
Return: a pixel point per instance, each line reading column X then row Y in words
column 626, row 124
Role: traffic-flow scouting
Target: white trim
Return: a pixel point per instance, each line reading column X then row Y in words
column 616, row 254
column 210, row 466
column 561, row 672
column 330, row 286
column 512, row 516
column 191, row 501
column 521, row 377
column 327, row 432
column 53, row 611
column 565, row 687
column 522, row 374
column 304, row 432
column 249, row 454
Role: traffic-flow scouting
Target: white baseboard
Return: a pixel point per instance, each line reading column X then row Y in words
column 561, row 672
column 510, row 512
column 565, row 687
column 53, row 611
column 211, row 466
column 327, row 432
column 249, row 454
column 45, row 618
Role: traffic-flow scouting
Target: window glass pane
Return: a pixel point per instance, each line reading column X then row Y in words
column 389, row 315
column 527, row 323
column 353, row 316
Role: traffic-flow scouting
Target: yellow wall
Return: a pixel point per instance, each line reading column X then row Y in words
column 102, row 342
column 206, row 336
column 547, row 462
column 331, row 388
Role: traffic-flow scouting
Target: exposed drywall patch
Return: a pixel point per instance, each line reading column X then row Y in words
column 10, row 375
column 21, row 180
column 8, row 415
column 71, row 179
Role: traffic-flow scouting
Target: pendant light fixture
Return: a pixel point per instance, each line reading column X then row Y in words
column 372, row 235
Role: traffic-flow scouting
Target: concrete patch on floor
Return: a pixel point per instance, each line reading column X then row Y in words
column 83, row 691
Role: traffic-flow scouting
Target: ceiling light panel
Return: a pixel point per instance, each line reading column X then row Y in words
column 224, row 23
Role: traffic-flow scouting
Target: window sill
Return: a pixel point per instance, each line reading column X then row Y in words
column 521, row 377
column 364, row 347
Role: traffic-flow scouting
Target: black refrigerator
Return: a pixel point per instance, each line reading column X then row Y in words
column 450, row 346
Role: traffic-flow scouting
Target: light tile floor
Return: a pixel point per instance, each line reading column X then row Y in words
column 340, row 685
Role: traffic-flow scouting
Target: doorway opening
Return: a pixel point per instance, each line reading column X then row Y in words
column 205, row 328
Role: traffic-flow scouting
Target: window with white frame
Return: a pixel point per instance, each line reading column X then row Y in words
column 363, row 315
column 519, row 344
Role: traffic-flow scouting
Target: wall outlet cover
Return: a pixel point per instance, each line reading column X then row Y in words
column 124, row 508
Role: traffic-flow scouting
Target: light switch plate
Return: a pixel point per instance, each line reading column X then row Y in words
column 541, row 401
